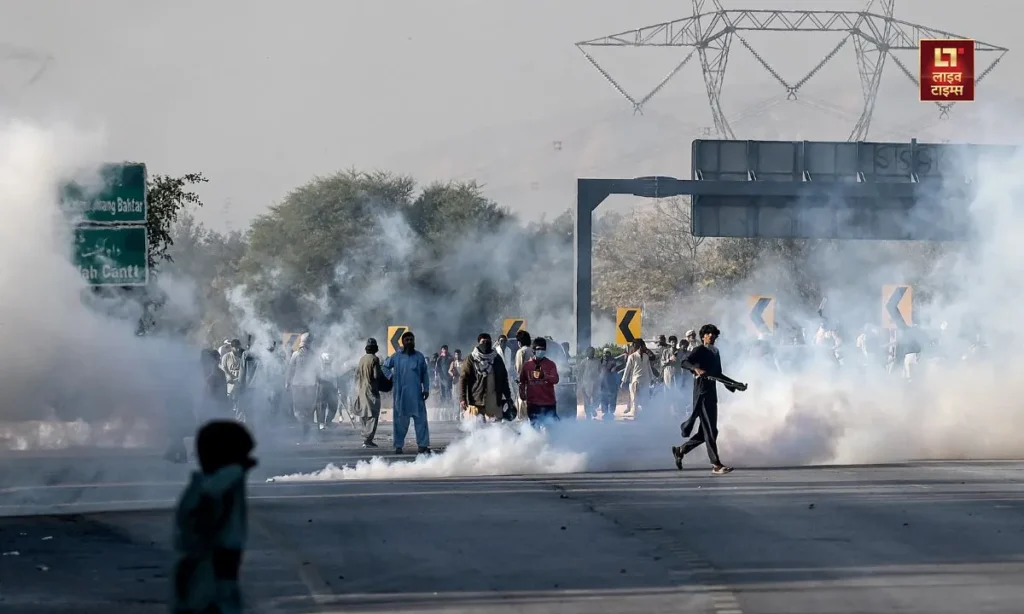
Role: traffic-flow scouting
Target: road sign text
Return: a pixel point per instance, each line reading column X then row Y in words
column 118, row 198
column 112, row 256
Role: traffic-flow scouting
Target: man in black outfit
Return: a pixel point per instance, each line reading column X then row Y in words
column 706, row 365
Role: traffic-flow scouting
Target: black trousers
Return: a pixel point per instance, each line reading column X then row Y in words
column 706, row 411
column 538, row 414
column 444, row 391
column 327, row 404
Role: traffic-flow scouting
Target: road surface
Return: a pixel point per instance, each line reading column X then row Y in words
column 930, row 538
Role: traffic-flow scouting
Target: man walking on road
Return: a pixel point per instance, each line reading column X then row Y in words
column 706, row 365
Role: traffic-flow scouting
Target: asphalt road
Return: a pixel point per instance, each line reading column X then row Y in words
column 932, row 538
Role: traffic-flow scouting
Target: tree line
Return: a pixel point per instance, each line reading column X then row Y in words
column 367, row 248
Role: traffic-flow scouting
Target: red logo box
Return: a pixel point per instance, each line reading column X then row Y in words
column 947, row 70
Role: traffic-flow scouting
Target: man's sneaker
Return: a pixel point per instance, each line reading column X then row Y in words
column 677, row 453
column 425, row 450
column 369, row 444
column 721, row 470
column 398, row 450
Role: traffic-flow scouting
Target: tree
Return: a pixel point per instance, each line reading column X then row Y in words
column 649, row 258
column 166, row 198
column 210, row 261
column 325, row 239
column 444, row 211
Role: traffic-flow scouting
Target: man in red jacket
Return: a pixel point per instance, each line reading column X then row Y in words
column 537, row 384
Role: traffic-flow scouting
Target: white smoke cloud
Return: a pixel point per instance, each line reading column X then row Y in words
column 485, row 450
column 954, row 408
column 71, row 355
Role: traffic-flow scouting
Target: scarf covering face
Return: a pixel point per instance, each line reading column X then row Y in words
column 483, row 362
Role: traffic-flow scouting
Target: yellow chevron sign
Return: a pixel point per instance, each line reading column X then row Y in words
column 761, row 312
column 511, row 326
column 290, row 341
column 628, row 325
column 897, row 306
column 395, row 338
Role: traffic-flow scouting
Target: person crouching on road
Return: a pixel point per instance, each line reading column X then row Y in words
column 537, row 385
column 210, row 524
column 483, row 382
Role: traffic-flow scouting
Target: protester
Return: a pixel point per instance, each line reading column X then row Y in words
column 443, row 377
column 410, row 377
column 672, row 373
column 706, row 365
column 610, row 379
column 301, row 381
column 637, row 376
column 523, row 354
column 210, row 523
column 455, row 374
column 537, row 381
column 483, row 382
column 589, row 383
column 369, row 379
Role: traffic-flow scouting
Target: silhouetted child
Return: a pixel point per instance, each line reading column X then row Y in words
column 210, row 523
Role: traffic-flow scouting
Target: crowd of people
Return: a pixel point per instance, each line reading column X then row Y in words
column 898, row 351
column 495, row 382
column 521, row 379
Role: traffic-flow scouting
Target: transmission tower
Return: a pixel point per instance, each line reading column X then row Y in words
column 38, row 62
column 710, row 36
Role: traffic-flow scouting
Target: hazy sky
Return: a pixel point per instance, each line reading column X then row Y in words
column 261, row 96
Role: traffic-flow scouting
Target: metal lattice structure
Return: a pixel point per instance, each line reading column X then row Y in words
column 710, row 35
column 40, row 61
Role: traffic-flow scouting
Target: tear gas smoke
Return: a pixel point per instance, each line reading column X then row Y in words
column 496, row 449
column 478, row 280
column 960, row 404
column 74, row 364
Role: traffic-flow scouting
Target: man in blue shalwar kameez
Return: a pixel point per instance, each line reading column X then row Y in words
column 411, row 386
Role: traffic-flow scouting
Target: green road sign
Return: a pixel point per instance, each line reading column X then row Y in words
column 112, row 256
column 117, row 195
